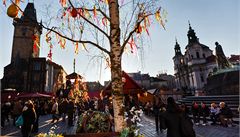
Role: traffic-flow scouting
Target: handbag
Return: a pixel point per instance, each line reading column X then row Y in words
column 19, row 121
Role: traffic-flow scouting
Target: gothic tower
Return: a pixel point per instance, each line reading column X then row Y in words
column 26, row 37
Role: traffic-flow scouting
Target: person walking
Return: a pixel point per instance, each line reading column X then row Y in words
column 156, row 111
column 63, row 108
column 70, row 111
column 17, row 110
column 29, row 117
column 38, row 111
column 55, row 111
column 171, row 119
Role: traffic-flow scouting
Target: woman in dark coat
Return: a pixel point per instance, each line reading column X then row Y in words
column 170, row 119
column 29, row 117
column 36, row 123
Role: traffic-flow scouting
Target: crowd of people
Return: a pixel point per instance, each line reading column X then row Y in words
column 199, row 111
column 222, row 113
column 166, row 115
column 59, row 108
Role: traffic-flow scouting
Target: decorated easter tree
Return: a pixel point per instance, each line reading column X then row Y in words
column 116, row 26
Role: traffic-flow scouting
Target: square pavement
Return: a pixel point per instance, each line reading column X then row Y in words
column 147, row 127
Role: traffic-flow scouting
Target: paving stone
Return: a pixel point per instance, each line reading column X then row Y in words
column 147, row 128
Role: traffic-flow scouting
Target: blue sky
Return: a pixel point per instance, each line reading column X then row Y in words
column 212, row 20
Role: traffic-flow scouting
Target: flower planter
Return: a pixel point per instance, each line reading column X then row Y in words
column 94, row 122
column 107, row 134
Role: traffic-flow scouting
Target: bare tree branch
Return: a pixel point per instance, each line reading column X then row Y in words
column 133, row 31
column 104, row 14
column 91, row 23
column 79, row 41
column 129, row 22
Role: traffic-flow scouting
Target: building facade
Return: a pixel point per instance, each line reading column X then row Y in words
column 192, row 68
column 27, row 72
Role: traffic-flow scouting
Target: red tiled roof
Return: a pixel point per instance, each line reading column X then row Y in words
column 234, row 58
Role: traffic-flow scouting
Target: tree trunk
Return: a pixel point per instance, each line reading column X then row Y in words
column 116, row 68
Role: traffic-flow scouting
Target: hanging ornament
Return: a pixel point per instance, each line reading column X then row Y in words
column 86, row 13
column 95, row 12
column 63, row 15
column 50, row 54
column 48, row 38
column 146, row 22
column 157, row 15
column 159, row 18
column 76, row 48
column 36, row 46
column 108, row 63
column 62, row 42
column 12, row 11
column 139, row 29
column 74, row 13
column 63, row 3
column 80, row 11
column 104, row 21
column 132, row 46
column 81, row 29
column 106, row 1
column 17, row 2
column 4, row 3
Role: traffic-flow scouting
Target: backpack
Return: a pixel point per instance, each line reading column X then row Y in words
column 19, row 121
column 186, row 127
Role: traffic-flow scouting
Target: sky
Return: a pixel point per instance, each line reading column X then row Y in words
column 212, row 20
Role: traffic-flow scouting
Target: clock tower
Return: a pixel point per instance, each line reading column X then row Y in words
column 26, row 37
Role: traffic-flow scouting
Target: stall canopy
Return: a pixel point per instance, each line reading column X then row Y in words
column 35, row 95
column 74, row 75
column 129, row 87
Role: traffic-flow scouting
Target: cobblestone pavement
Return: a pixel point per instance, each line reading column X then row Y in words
column 147, row 128
column 45, row 126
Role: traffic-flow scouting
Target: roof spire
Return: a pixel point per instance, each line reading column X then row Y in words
column 189, row 25
column 176, row 40
column 192, row 38
column 177, row 48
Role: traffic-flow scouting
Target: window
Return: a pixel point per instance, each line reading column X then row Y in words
column 202, row 79
column 192, row 56
column 36, row 78
column 197, row 53
column 37, row 66
column 204, row 56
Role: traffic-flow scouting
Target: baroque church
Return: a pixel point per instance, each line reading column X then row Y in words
column 192, row 68
column 27, row 72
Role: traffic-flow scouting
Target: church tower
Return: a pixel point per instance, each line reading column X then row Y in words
column 178, row 64
column 26, row 37
column 192, row 38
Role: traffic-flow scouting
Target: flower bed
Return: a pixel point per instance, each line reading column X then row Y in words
column 93, row 122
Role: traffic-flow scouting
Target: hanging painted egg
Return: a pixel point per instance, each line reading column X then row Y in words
column 12, row 11
column 74, row 13
column 139, row 29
